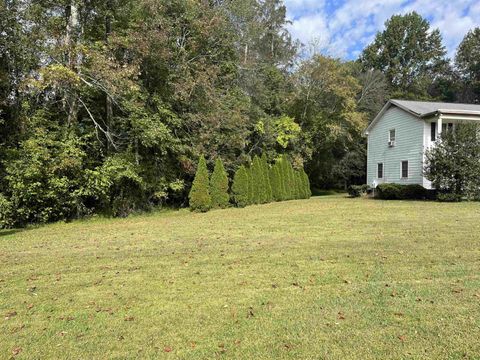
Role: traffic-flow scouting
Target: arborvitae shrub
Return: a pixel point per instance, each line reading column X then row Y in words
column 199, row 196
column 290, row 180
column 240, row 187
column 258, row 181
column 306, row 184
column 251, row 187
column 275, row 183
column 219, row 186
column 266, row 178
column 285, row 178
column 298, row 185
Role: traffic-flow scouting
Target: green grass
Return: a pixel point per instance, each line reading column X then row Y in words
column 325, row 278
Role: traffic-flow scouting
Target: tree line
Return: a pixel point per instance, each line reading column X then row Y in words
column 105, row 106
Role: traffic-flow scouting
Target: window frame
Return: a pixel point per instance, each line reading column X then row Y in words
column 380, row 164
column 394, row 135
column 433, row 131
column 401, row 169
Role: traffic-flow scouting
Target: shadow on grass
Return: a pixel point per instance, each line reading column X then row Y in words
column 7, row 232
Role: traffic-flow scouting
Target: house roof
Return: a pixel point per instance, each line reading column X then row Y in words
column 424, row 109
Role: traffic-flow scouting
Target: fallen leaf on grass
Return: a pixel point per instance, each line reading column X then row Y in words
column 341, row 315
column 250, row 313
column 402, row 338
column 16, row 351
column 167, row 349
column 129, row 318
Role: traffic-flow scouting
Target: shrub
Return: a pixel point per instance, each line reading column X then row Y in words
column 6, row 212
column 449, row 197
column 403, row 192
column 275, row 183
column 452, row 164
column 240, row 187
column 298, row 185
column 251, row 192
column 282, row 192
column 199, row 196
column 259, row 194
column 266, row 178
column 306, row 184
column 358, row 190
column 219, row 186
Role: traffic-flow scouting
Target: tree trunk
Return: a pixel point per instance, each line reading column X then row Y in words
column 73, row 58
column 108, row 100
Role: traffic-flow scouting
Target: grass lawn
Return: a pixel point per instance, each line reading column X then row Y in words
column 325, row 278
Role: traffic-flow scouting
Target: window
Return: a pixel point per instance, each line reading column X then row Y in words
column 433, row 131
column 404, row 169
column 391, row 135
column 380, row 170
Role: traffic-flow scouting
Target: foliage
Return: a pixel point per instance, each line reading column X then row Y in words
column 266, row 178
column 467, row 62
column 200, row 199
column 326, row 107
column 403, row 192
column 453, row 165
column 126, row 93
column 358, row 190
column 219, row 186
column 240, row 187
column 409, row 53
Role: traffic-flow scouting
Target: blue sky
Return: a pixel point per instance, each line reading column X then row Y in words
column 342, row 28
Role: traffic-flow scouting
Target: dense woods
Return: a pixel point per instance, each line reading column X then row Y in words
column 106, row 106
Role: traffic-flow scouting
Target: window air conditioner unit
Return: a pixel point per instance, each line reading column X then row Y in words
column 391, row 143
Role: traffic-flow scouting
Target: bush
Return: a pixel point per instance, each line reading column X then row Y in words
column 259, row 194
column 449, row 197
column 403, row 192
column 251, row 190
column 358, row 190
column 266, row 179
column 306, row 184
column 240, row 187
column 200, row 199
column 6, row 212
column 219, row 186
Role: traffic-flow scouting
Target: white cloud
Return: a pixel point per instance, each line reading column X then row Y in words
column 346, row 29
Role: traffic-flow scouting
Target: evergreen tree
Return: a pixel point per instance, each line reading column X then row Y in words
column 219, row 186
column 199, row 196
column 282, row 178
column 298, row 185
column 306, row 184
column 251, row 190
column 258, row 181
column 266, row 177
column 275, row 183
column 240, row 187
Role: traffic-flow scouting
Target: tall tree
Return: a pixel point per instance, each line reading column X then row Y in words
column 467, row 62
column 409, row 53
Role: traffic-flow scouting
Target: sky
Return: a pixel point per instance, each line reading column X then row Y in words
column 342, row 28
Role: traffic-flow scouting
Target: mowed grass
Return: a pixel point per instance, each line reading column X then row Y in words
column 325, row 278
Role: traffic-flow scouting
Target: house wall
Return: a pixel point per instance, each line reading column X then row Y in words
column 409, row 145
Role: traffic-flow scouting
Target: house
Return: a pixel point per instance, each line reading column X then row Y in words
column 402, row 131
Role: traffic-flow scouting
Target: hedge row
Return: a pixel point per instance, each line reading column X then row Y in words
column 258, row 183
column 404, row 192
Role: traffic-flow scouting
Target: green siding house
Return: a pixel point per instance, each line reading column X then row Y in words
column 402, row 131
